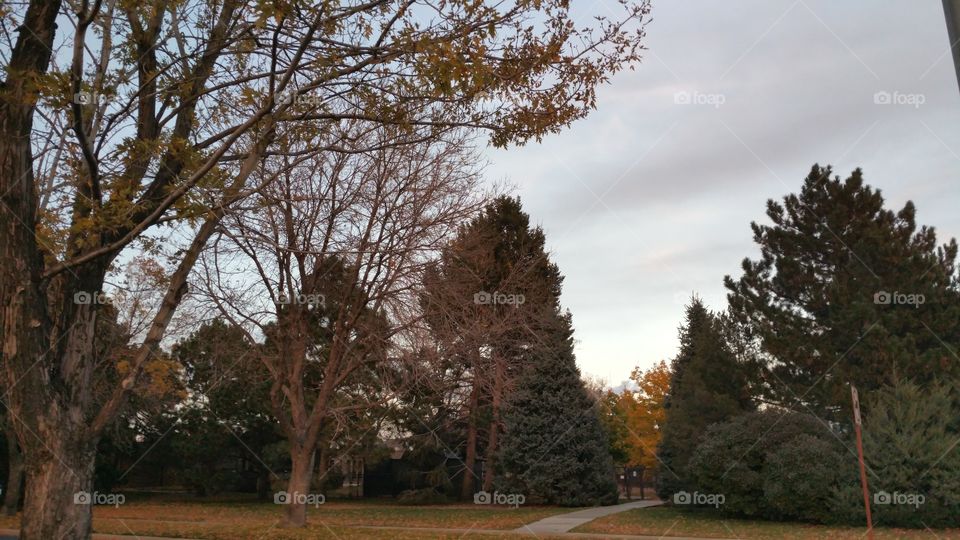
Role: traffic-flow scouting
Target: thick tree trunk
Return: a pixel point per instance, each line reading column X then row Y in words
column 59, row 489
column 11, row 497
column 470, row 461
column 298, row 487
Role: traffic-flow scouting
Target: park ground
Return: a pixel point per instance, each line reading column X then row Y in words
column 225, row 518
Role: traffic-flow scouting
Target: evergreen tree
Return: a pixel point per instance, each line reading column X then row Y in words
column 485, row 301
column 847, row 291
column 555, row 449
column 910, row 436
column 708, row 385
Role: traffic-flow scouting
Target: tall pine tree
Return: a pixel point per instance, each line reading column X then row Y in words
column 835, row 297
column 708, row 384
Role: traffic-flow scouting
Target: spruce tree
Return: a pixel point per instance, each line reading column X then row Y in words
column 708, row 384
column 910, row 437
column 555, row 448
column 847, row 291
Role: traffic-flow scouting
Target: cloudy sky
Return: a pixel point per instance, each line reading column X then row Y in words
column 650, row 199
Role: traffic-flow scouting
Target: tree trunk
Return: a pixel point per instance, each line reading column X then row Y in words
column 59, row 488
column 493, row 436
column 298, row 487
column 11, row 498
column 466, row 490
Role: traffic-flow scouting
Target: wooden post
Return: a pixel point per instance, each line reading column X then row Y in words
column 863, row 468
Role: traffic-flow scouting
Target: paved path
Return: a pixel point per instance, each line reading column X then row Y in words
column 567, row 522
column 524, row 532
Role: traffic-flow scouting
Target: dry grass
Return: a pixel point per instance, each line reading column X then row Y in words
column 668, row 522
column 235, row 519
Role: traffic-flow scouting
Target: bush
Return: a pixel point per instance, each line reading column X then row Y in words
column 909, row 443
column 770, row 464
column 799, row 476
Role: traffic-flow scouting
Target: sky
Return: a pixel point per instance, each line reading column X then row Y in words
column 650, row 199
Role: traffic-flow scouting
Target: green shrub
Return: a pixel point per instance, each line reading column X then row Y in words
column 770, row 464
column 776, row 465
column 798, row 478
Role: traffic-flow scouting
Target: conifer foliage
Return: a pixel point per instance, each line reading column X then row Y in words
column 847, row 291
column 708, row 385
column 555, row 448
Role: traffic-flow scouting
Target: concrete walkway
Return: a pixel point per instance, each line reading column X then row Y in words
column 523, row 532
column 566, row 522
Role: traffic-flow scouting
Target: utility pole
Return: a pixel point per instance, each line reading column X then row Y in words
column 951, row 9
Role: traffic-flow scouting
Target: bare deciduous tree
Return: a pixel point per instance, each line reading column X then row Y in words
column 324, row 264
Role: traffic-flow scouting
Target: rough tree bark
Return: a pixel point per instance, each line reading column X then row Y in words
column 301, row 472
column 56, row 478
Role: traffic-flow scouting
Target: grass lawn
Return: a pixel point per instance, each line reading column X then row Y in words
column 233, row 519
column 665, row 521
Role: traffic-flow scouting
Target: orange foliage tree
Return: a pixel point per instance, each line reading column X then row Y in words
column 635, row 416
